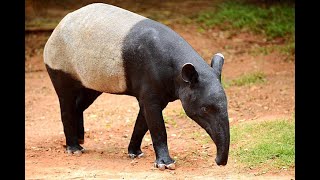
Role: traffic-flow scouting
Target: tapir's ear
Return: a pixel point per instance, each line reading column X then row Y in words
column 189, row 73
column 217, row 63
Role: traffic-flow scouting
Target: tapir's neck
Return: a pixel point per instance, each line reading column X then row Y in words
column 181, row 53
column 154, row 50
column 187, row 55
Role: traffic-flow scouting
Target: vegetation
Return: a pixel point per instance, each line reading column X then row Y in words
column 245, row 80
column 169, row 120
column 264, row 144
column 274, row 21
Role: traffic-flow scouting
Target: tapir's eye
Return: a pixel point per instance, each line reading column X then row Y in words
column 207, row 109
column 204, row 109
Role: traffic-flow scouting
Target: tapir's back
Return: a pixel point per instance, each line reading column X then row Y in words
column 87, row 44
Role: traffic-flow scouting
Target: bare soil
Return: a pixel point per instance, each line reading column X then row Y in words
column 110, row 119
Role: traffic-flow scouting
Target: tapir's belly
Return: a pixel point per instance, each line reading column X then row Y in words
column 88, row 45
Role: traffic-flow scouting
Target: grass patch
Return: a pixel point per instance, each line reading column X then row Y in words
column 182, row 114
column 274, row 21
column 169, row 120
column 265, row 50
column 201, row 137
column 225, row 83
column 289, row 50
column 247, row 79
column 267, row 145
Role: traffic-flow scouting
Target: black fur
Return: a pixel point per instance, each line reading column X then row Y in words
column 74, row 98
column 154, row 56
column 149, row 60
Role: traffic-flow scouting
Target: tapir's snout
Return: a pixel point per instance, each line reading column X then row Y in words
column 219, row 130
column 221, row 161
column 222, row 143
column 220, row 134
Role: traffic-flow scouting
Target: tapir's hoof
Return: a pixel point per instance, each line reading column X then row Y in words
column 171, row 166
column 132, row 156
column 162, row 167
column 75, row 150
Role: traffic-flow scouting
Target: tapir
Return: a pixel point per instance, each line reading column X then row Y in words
column 102, row 48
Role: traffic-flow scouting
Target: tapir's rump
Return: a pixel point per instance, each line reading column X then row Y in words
column 87, row 44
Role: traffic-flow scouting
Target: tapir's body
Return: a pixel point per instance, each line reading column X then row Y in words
column 102, row 48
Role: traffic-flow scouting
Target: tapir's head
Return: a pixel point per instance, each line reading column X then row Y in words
column 204, row 100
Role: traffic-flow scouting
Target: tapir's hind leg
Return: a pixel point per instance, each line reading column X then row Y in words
column 85, row 98
column 70, row 120
column 140, row 129
column 71, row 95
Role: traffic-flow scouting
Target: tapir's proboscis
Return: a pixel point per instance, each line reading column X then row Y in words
column 102, row 48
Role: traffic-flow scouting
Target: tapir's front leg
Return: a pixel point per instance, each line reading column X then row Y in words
column 156, row 126
column 140, row 129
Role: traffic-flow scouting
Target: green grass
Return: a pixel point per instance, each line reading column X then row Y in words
column 288, row 49
column 202, row 137
column 248, row 79
column 244, row 80
column 225, row 83
column 182, row 114
column 274, row 21
column 266, row 145
column 169, row 120
column 265, row 50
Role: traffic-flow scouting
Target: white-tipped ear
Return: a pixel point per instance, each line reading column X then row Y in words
column 189, row 73
column 219, row 54
column 217, row 63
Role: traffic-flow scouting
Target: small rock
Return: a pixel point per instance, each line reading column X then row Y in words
column 133, row 162
column 205, row 147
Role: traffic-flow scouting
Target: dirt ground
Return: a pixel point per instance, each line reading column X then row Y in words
column 110, row 119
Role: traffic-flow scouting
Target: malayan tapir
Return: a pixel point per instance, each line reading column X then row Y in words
column 102, row 48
